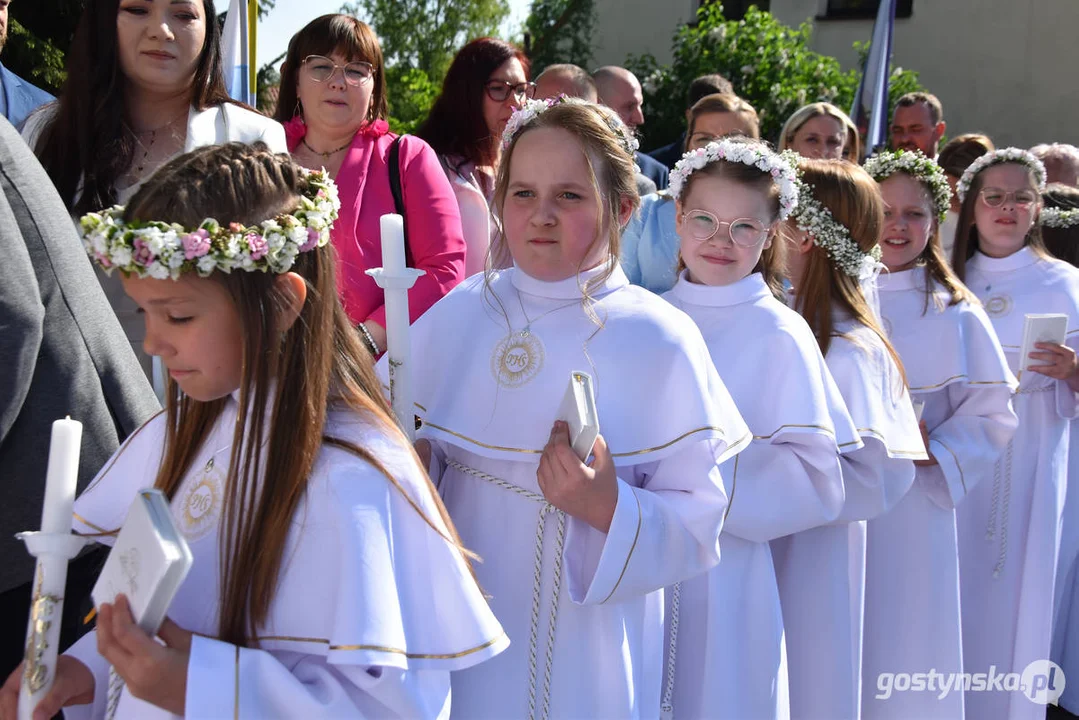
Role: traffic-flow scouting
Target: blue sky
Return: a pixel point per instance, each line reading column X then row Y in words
column 288, row 16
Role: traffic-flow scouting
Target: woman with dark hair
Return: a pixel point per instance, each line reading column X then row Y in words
column 333, row 105
column 486, row 82
column 144, row 84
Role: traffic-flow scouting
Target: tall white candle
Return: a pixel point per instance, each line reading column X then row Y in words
column 62, row 476
column 393, row 242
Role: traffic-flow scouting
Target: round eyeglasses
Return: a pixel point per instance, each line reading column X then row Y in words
column 995, row 197
column 703, row 226
column 499, row 90
column 321, row 69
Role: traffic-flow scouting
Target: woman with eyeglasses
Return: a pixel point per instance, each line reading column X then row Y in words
column 144, row 84
column 333, row 105
column 486, row 82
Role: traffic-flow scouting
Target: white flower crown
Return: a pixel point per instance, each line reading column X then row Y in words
column 167, row 250
column 827, row 233
column 1058, row 217
column 752, row 154
column 532, row 109
column 888, row 162
column 1004, row 155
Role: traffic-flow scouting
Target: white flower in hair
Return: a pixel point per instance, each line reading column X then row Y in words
column 888, row 162
column 531, row 109
column 1003, row 155
column 753, row 154
column 1058, row 217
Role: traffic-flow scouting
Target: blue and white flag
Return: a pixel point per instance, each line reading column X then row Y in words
column 236, row 53
column 870, row 110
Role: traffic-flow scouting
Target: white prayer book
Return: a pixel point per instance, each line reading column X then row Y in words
column 579, row 411
column 1048, row 328
column 148, row 562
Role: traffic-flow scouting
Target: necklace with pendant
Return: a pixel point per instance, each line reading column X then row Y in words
column 325, row 155
column 527, row 329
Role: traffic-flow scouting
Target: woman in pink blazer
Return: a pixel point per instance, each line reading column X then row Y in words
column 333, row 106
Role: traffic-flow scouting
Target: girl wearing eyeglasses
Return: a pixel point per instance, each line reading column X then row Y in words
column 333, row 105
column 486, row 82
column 730, row 197
column 1010, row 525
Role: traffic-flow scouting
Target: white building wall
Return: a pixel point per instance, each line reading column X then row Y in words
column 1009, row 68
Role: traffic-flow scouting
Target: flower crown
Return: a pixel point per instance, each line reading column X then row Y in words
column 832, row 236
column 532, row 109
column 1058, row 217
column 888, row 162
column 737, row 151
column 1004, row 155
column 166, row 250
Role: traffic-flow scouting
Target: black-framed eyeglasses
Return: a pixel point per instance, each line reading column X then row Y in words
column 499, row 90
column 321, row 69
column 703, row 226
column 995, row 197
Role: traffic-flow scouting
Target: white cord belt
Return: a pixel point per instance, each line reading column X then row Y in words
column 546, row 510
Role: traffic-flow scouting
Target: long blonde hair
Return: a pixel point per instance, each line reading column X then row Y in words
column 318, row 363
column 853, row 198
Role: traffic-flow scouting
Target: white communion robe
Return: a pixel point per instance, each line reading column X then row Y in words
column 373, row 609
column 491, row 364
column 1009, row 527
column 954, row 364
column 729, row 627
column 821, row 572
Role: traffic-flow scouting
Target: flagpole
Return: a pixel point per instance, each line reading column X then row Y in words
column 252, row 58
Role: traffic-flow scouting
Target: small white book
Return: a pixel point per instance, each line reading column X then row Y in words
column 579, row 411
column 148, row 562
column 1048, row 328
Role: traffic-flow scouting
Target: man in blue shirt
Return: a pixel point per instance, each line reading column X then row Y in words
column 19, row 98
column 620, row 90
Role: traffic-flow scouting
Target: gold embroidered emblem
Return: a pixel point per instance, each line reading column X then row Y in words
column 201, row 503
column 998, row 306
column 517, row 359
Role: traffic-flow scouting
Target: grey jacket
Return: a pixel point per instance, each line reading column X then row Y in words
column 62, row 351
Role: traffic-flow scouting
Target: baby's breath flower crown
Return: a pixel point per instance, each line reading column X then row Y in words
column 997, row 157
column 167, row 250
column 888, row 162
column 532, row 109
column 752, row 154
column 811, row 216
column 1058, row 218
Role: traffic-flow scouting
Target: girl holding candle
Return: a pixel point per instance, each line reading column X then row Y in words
column 298, row 496
column 912, row 611
column 575, row 554
column 1010, row 527
column 333, row 106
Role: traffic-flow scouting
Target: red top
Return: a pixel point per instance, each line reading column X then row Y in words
column 433, row 222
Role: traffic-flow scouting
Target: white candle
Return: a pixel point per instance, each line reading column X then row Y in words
column 393, row 243
column 62, row 476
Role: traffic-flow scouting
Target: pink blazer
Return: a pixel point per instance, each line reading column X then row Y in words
column 431, row 215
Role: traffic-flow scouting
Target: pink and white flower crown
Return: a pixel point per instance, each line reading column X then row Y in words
column 532, row 109
column 167, row 250
column 753, row 154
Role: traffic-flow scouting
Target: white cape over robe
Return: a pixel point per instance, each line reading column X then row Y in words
column 955, row 365
column 373, row 608
column 584, row 608
column 821, row 571
column 729, row 637
column 1009, row 526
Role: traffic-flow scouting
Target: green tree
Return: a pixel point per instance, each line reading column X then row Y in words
column 419, row 39
column 559, row 31
column 769, row 64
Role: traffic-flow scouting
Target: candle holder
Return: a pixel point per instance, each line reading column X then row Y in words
column 396, row 283
column 53, row 552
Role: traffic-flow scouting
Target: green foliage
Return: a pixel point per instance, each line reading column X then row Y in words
column 34, row 58
column 419, row 39
column 560, row 31
column 770, row 65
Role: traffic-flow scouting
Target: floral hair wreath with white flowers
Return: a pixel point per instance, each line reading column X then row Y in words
column 827, row 233
column 167, row 250
column 532, row 109
column 888, row 162
column 997, row 157
column 753, row 154
column 1058, row 217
